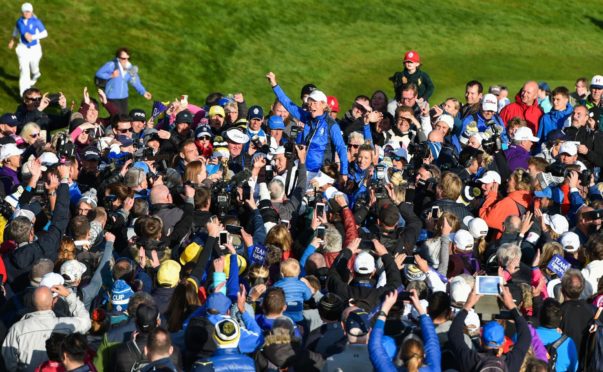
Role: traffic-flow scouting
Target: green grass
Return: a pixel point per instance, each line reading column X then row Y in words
column 345, row 47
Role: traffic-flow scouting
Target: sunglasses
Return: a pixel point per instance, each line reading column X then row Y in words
column 124, row 58
column 34, row 135
column 34, row 99
column 124, row 130
column 354, row 146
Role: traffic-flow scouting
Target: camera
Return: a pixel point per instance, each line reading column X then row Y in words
column 418, row 150
column 493, row 143
column 428, row 186
column 65, row 148
column 593, row 215
column 294, row 132
column 54, row 98
column 255, row 141
column 379, row 187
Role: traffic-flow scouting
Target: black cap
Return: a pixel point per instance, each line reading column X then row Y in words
column 91, row 153
column 75, row 123
column 9, row 119
column 184, row 117
column 146, row 318
column 307, row 89
column 138, row 115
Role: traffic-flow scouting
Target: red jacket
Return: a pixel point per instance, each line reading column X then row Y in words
column 351, row 233
column 531, row 114
column 494, row 211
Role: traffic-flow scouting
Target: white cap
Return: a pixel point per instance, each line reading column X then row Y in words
column 322, row 179
column 568, row 148
column 278, row 151
column 463, row 240
column 236, row 136
column 449, row 120
column 318, row 96
column 25, row 213
column 73, row 269
column 364, row 263
column 459, row 290
column 48, row 159
column 26, row 7
column 570, row 241
column 477, row 227
column 557, row 222
column 401, row 153
column 597, row 82
column 490, row 103
column 8, row 150
column 50, row 280
column 490, row 176
column 525, row 134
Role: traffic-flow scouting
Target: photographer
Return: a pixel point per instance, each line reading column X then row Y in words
column 448, row 191
column 484, row 120
column 33, row 110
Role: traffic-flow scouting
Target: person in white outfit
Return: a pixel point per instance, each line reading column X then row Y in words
column 29, row 29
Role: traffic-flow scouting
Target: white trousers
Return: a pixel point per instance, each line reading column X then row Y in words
column 29, row 65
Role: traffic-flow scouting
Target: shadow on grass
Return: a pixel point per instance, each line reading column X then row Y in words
column 9, row 84
column 596, row 22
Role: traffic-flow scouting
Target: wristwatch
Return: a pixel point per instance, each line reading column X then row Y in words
column 382, row 313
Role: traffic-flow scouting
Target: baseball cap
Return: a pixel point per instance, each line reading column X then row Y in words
column 184, row 117
column 26, row 7
column 364, row 263
column 597, row 82
column 241, row 264
column 134, row 177
column 557, row 222
column 125, row 141
column 92, row 153
column 168, row 274
column 307, row 89
column 570, row 241
column 138, row 115
column 218, row 302
column 525, row 134
column 236, row 136
column 146, row 318
column 120, row 295
column 459, row 291
column 400, row 153
column 190, row 253
column 490, row 176
column 568, row 148
column 227, row 334
column 493, row 334
column 412, row 56
column 323, row 179
column 50, row 280
column 555, row 194
column 9, row 119
column 477, row 227
column 275, row 122
column 463, row 240
column 333, row 103
column 216, row 110
column 318, row 96
column 449, row 120
column 494, row 89
column 490, row 103
column 40, row 268
column 48, row 159
column 255, row 112
column 72, row 270
column 357, row 323
column 8, row 150
column 543, row 85
column 203, row 131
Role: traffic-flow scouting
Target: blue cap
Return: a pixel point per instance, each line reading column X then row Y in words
column 203, row 131
column 218, row 302
column 358, row 319
column 543, row 85
column 9, row 119
column 275, row 122
column 255, row 112
column 141, row 165
column 493, row 335
column 550, row 193
column 120, row 295
column 125, row 141
column 212, row 168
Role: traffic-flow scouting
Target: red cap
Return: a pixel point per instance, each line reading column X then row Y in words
column 333, row 103
column 412, row 56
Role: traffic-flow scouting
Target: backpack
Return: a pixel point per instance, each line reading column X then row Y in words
column 551, row 350
column 141, row 360
column 102, row 83
column 593, row 344
column 490, row 363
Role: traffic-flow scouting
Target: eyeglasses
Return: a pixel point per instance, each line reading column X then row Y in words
column 353, row 146
column 34, row 135
column 127, row 130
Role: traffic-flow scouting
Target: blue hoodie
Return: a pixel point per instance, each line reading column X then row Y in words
column 553, row 120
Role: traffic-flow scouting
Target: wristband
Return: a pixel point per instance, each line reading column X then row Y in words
column 53, row 193
column 382, row 313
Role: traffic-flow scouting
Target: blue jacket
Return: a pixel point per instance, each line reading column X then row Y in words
column 251, row 335
column 117, row 88
column 382, row 362
column 296, row 292
column 33, row 26
column 225, row 360
column 567, row 356
column 482, row 127
column 553, row 120
column 319, row 133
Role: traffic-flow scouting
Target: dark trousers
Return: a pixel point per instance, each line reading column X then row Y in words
column 121, row 104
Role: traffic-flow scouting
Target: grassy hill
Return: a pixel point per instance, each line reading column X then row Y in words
column 344, row 47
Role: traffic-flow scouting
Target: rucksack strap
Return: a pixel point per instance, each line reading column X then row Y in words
column 559, row 341
column 522, row 210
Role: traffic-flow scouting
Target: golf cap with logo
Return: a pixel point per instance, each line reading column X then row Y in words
column 570, row 242
column 477, row 227
column 364, row 264
column 557, row 222
column 255, row 112
column 412, row 56
column 490, row 103
column 216, row 110
column 358, row 323
column 72, row 270
column 449, row 120
column 203, row 131
column 568, row 148
column 275, row 122
column 138, row 115
column 237, row 136
column 91, row 153
column 525, row 134
column 490, row 176
column 184, row 117
column 318, row 96
column 8, row 150
column 463, row 240
column 9, row 119
column 333, row 103
column 597, row 82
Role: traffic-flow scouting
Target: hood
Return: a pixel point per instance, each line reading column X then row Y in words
column 281, row 355
column 558, row 114
column 521, row 196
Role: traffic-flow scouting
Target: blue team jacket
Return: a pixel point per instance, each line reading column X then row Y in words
column 117, row 88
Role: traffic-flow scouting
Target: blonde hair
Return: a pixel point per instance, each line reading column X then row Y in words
column 290, row 268
column 192, row 170
column 412, row 353
column 27, row 130
column 66, row 251
column 450, row 186
column 280, row 236
column 452, row 220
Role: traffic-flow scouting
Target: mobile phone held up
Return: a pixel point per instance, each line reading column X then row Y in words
column 223, row 238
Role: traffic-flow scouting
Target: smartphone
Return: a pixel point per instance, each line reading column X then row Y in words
column 403, row 296
column 435, row 212
column 234, row 229
column 320, row 232
column 488, row 285
column 409, row 260
column 246, row 192
column 380, row 172
column 320, row 209
column 269, row 173
column 223, row 237
column 504, row 315
column 285, row 223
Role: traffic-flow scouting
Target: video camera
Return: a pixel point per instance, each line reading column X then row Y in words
column 494, row 143
column 555, row 174
column 65, row 148
column 379, row 185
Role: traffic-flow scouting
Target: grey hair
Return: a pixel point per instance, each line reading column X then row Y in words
column 507, row 253
column 356, row 135
column 277, row 189
column 19, row 229
column 333, row 239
